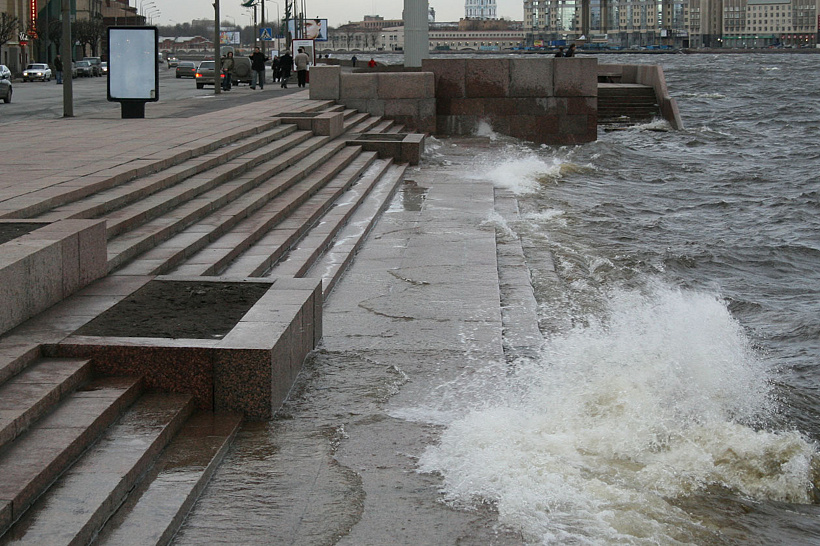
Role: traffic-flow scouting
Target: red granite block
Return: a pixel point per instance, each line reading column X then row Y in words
column 243, row 381
column 539, row 129
column 487, row 78
column 406, row 85
column 449, row 76
column 531, row 77
column 359, row 86
column 466, row 107
column 573, row 125
column 576, row 77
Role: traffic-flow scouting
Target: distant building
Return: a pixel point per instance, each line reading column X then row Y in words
column 480, row 9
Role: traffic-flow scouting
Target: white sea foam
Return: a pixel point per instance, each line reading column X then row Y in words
column 593, row 442
column 523, row 171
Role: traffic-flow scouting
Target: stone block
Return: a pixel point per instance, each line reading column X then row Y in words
column 574, row 106
column 531, row 77
column 406, row 85
column 426, row 122
column 457, row 125
column 487, row 78
column 359, row 86
column 249, row 370
column 575, row 77
column 325, row 82
column 400, row 107
column 538, row 129
column 574, row 125
column 462, row 107
column 449, row 76
column 93, row 252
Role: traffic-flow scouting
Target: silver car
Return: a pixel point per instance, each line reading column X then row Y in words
column 5, row 83
column 37, row 71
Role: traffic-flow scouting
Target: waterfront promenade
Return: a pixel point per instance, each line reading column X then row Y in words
column 433, row 294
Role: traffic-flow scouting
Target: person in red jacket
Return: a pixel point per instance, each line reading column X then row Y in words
column 371, row 63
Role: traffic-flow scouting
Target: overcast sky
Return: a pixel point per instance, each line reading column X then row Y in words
column 337, row 12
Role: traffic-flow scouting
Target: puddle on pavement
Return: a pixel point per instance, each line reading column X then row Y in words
column 412, row 197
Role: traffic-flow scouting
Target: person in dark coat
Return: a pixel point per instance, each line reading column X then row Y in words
column 560, row 51
column 285, row 66
column 258, row 68
column 571, row 51
column 58, row 68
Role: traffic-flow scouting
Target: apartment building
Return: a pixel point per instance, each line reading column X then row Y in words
column 676, row 23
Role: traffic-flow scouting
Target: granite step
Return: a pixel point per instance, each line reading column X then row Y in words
column 34, row 391
column 276, row 242
column 332, row 264
column 156, row 508
column 287, row 150
column 41, row 201
column 302, row 202
column 85, row 496
column 235, row 197
column 319, row 238
column 14, row 357
column 166, row 241
column 30, row 463
column 114, row 198
column 352, row 123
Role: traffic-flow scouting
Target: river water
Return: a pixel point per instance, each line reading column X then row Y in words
column 675, row 400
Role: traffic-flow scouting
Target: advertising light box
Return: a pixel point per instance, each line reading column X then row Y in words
column 133, row 72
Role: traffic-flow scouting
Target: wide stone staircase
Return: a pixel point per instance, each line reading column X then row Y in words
column 626, row 104
column 91, row 457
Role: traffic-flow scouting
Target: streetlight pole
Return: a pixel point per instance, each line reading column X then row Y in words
column 278, row 23
column 65, row 49
column 217, row 56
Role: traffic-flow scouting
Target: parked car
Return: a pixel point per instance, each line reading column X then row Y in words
column 84, row 69
column 186, row 69
column 5, row 84
column 104, row 68
column 172, row 61
column 37, row 71
column 96, row 63
column 205, row 74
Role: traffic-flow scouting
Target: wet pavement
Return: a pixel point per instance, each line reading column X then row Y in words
column 418, row 310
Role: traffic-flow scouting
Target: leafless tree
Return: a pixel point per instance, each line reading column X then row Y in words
column 8, row 26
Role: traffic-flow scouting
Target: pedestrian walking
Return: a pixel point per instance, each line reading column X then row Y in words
column 301, row 60
column 353, row 61
column 58, row 69
column 227, row 70
column 285, row 66
column 258, row 68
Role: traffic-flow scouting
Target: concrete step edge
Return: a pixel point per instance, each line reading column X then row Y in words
column 36, row 390
column 333, row 263
column 139, row 188
column 256, row 265
column 152, row 516
column 316, row 242
column 38, row 457
column 124, row 218
column 127, row 173
column 78, row 504
column 294, row 197
column 160, row 229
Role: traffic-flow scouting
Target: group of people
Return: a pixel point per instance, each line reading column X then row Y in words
column 280, row 66
column 569, row 53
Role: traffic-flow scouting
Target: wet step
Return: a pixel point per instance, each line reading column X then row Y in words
column 41, row 201
column 321, row 235
column 111, row 199
column 227, row 203
column 301, row 204
column 76, row 506
column 333, row 263
column 276, row 242
column 287, row 149
column 188, row 232
column 154, row 511
column 15, row 357
column 32, row 461
column 28, row 395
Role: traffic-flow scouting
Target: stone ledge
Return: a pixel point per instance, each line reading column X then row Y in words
column 48, row 264
column 249, row 370
column 403, row 147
